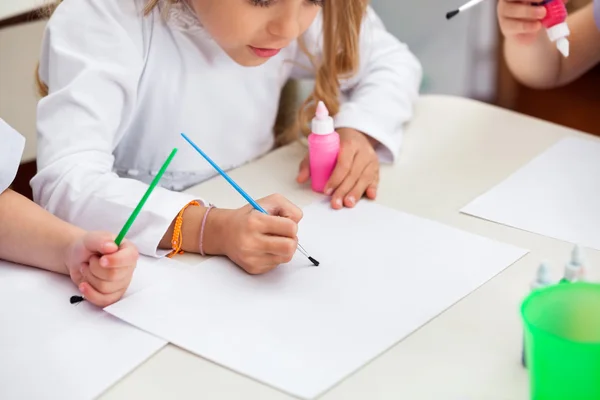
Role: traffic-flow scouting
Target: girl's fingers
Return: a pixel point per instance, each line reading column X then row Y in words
column 101, row 285
column 260, row 265
column 277, row 226
column 516, row 27
column 367, row 178
column 125, row 258
column 372, row 191
column 523, row 11
column 303, row 171
column 341, row 194
column 280, row 246
column 97, row 298
column 97, row 272
column 342, row 169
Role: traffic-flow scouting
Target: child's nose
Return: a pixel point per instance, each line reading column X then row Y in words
column 287, row 24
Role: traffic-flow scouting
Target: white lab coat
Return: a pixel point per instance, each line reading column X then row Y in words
column 11, row 150
column 123, row 88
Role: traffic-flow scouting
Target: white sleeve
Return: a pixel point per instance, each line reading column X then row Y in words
column 11, row 150
column 91, row 63
column 379, row 99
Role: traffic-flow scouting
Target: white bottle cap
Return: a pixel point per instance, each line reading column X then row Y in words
column 543, row 277
column 322, row 123
column 572, row 272
column 577, row 256
column 558, row 31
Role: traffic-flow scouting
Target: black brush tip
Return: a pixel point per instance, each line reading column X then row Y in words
column 76, row 299
column 452, row 14
column 315, row 262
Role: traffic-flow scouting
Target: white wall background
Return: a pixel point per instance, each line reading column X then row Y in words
column 458, row 56
column 19, row 53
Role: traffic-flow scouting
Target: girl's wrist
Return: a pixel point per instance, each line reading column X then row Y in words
column 75, row 235
column 214, row 235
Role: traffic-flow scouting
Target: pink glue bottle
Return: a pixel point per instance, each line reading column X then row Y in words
column 556, row 25
column 323, row 148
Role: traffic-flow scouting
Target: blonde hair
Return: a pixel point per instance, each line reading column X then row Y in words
column 342, row 22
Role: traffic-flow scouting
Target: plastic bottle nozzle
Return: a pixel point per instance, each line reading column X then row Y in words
column 542, row 277
column 322, row 123
column 322, row 111
column 563, row 46
column 577, row 255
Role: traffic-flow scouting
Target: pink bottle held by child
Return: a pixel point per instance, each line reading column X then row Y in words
column 556, row 25
column 323, row 148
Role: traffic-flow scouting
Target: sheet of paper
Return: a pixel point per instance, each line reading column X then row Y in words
column 557, row 195
column 50, row 349
column 302, row 328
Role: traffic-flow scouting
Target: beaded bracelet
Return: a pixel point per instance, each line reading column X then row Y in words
column 177, row 240
column 202, row 229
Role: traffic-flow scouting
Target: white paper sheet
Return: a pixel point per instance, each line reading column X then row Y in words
column 51, row 349
column 557, row 195
column 301, row 328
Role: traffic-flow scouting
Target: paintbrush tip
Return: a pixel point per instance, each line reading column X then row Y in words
column 452, row 14
column 315, row 262
column 76, row 299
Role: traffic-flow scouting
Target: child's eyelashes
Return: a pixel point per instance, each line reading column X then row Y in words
column 267, row 3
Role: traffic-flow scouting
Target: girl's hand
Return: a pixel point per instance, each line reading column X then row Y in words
column 356, row 172
column 255, row 241
column 100, row 269
column 520, row 20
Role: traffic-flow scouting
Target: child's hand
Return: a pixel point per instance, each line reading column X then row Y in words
column 257, row 242
column 520, row 20
column 100, row 269
column 356, row 171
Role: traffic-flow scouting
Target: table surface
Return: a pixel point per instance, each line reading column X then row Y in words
column 11, row 8
column 454, row 150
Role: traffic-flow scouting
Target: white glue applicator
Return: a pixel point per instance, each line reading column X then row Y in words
column 542, row 279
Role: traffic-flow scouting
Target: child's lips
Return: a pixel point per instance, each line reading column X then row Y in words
column 264, row 52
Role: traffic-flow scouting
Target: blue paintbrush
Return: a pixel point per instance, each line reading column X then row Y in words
column 240, row 190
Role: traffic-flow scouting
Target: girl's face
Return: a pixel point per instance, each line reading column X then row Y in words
column 252, row 31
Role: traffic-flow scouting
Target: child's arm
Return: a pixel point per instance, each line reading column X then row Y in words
column 93, row 83
column 376, row 103
column 93, row 90
column 29, row 235
column 379, row 99
column 533, row 59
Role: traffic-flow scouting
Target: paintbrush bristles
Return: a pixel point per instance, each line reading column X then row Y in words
column 451, row 14
column 462, row 8
column 76, row 299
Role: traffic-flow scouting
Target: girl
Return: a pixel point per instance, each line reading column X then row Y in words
column 123, row 78
column 530, row 55
column 31, row 236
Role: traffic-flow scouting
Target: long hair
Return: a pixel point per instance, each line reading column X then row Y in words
column 340, row 59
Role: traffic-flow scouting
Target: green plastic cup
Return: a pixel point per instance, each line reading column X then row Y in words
column 562, row 341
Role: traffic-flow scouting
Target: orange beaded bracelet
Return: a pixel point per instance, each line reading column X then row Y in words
column 177, row 240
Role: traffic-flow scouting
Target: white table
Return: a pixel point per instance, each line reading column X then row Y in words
column 454, row 150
